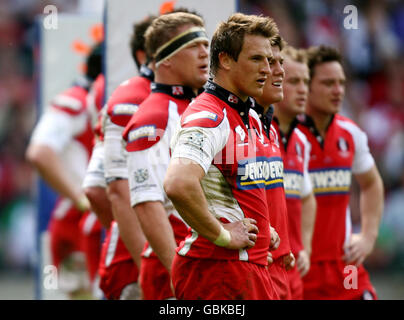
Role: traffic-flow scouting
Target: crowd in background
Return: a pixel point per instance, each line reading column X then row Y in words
column 374, row 98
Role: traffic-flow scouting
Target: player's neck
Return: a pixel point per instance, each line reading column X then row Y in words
column 321, row 120
column 285, row 120
column 226, row 83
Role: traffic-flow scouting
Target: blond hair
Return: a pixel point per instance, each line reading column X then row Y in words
column 165, row 27
column 297, row 55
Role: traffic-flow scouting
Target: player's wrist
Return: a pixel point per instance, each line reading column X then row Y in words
column 224, row 238
column 82, row 203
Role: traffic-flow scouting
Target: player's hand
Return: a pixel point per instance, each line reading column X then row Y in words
column 82, row 203
column 289, row 261
column 243, row 233
column 270, row 259
column 275, row 240
column 358, row 249
column 303, row 263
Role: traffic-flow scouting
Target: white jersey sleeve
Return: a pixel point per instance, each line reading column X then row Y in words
column 307, row 187
column 363, row 160
column 57, row 128
column 200, row 144
column 115, row 154
column 147, row 170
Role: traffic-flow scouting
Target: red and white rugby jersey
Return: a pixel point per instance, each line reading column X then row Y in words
column 95, row 102
column 332, row 161
column 124, row 101
column 148, row 136
column 226, row 137
column 66, row 128
column 295, row 150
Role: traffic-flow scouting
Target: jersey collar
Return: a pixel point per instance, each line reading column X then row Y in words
column 178, row 92
column 231, row 99
column 309, row 123
column 82, row 82
column 266, row 118
column 285, row 136
column 146, row 72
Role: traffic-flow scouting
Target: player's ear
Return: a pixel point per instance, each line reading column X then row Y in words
column 225, row 61
column 166, row 63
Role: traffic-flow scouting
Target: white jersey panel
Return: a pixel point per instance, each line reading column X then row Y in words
column 115, row 159
column 363, row 160
column 57, row 128
column 147, row 168
column 307, row 187
column 200, row 144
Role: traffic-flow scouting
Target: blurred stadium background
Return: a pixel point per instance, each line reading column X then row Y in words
column 375, row 99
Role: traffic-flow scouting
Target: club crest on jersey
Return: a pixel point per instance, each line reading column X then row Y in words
column 141, row 175
column 178, row 90
column 232, row 98
column 343, row 147
column 148, row 131
column 260, row 172
column 330, row 181
column 240, row 133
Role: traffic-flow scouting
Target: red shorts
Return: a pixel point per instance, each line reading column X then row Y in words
column 295, row 284
column 154, row 280
column 91, row 229
column 334, row 280
column 64, row 229
column 280, row 279
column 116, row 269
column 116, row 277
column 206, row 279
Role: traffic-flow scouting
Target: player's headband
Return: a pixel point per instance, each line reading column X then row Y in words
column 174, row 45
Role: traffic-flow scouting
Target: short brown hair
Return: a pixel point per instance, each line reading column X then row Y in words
column 278, row 41
column 137, row 41
column 321, row 54
column 165, row 27
column 297, row 55
column 229, row 35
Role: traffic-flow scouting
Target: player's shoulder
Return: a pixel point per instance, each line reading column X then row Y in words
column 204, row 111
column 71, row 100
column 340, row 119
column 348, row 125
column 148, row 124
column 132, row 91
column 126, row 98
column 299, row 134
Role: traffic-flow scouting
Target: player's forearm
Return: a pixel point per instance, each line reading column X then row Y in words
column 158, row 231
column 50, row 168
column 309, row 207
column 371, row 206
column 184, row 189
column 129, row 227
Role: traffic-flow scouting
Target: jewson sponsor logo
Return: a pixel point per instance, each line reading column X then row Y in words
column 331, row 180
column 260, row 172
column 293, row 182
column 142, row 132
column 125, row 109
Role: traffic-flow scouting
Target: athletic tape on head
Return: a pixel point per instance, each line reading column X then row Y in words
column 171, row 47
